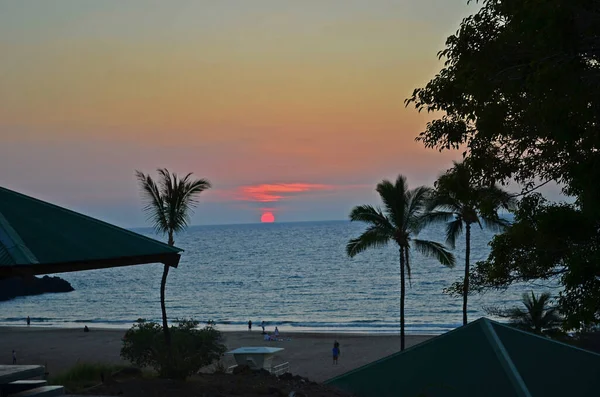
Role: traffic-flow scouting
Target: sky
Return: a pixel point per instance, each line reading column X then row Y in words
column 294, row 108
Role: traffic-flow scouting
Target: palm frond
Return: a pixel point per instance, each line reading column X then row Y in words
column 373, row 237
column 453, row 230
column 443, row 201
column 154, row 203
column 416, row 199
column 372, row 216
column 394, row 199
column 173, row 198
column 435, row 250
column 494, row 223
column 433, row 217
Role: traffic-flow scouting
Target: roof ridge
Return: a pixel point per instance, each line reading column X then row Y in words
column 13, row 244
column 543, row 337
column 89, row 218
column 504, row 358
column 413, row 347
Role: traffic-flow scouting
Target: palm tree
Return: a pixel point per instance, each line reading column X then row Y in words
column 458, row 201
column 537, row 317
column 401, row 221
column 169, row 204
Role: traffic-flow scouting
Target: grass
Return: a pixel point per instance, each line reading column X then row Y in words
column 83, row 376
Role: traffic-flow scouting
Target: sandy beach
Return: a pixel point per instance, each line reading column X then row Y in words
column 309, row 354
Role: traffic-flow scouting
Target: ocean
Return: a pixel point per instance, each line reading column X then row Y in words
column 292, row 275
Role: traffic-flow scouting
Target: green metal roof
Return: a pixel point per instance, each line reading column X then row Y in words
column 37, row 237
column 483, row 358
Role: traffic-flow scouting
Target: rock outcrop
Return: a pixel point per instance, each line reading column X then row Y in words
column 16, row 286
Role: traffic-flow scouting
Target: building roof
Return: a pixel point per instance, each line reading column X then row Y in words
column 37, row 237
column 483, row 358
column 255, row 350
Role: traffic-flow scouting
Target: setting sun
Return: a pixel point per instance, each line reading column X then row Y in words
column 267, row 217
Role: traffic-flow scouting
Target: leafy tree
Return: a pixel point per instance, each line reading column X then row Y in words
column 191, row 348
column 553, row 243
column 401, row 222
column 537, row 316
column 462, row 203
column 520, row 94
column 169, row 204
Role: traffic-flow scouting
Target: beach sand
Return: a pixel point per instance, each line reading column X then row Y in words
column 309, row 354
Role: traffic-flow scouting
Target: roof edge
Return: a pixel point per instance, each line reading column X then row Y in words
column 390, row 356
column 89, row 218
column 169, row 259
column 495, row 323
column 509, row 367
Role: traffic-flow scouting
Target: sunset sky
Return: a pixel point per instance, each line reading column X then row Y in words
column 289, row 107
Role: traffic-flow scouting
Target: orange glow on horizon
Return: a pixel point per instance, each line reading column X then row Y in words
column 267, row 217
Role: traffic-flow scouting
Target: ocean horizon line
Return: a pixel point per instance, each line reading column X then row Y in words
column 245, row 224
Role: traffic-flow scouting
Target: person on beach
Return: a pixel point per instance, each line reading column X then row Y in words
column 276, row 332
column 14, row 355
column 263, row 327
column 28, row 321
column 250, row 325
column 336, row 352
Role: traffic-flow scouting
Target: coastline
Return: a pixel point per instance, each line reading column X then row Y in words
column 307, row 352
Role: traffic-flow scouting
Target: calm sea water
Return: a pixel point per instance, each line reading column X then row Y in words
column 293, row 275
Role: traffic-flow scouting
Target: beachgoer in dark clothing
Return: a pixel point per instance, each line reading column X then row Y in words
column 336, row 353
column 263, row 327
column 14, row 354
column 86, row 329
column 28, row 321
column 250, row 325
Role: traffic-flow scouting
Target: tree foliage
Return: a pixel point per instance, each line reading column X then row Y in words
column 191, row 348
column 520, row 91
column 537, row 316
column 552, row 242
column 520, row 94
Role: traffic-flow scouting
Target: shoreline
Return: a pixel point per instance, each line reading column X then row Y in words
column 227, row 330
column 309, row 354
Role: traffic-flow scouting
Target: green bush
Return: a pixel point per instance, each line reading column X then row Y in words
column 191, row 348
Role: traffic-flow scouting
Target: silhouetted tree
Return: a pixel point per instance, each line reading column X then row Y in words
column 401, row 222
column 169, row 204
column 537, row 316
column 459, row 201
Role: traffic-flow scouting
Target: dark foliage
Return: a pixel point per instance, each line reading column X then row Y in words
column 520, row 94
column 191, row 348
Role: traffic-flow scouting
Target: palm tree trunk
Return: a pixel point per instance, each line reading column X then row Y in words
column 466, row 280
column 163, row 284
column 402, row 292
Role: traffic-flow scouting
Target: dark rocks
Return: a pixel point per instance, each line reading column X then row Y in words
column 16, row 286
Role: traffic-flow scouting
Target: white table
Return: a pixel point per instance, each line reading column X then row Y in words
column 255, row 357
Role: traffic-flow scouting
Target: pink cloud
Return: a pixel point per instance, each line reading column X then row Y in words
column 269, row 193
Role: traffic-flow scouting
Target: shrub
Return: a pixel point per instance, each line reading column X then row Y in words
column 191, row 348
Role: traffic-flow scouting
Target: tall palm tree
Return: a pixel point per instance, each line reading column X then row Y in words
column 460, row 202
column 169, row 203
column 401, row 222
